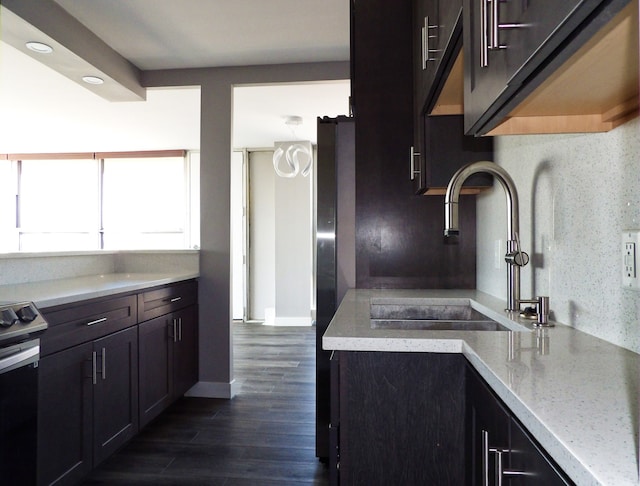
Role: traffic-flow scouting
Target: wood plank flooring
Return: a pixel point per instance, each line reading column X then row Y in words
column 264, row 436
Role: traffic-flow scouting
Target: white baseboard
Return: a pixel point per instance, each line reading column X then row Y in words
column 210, row 389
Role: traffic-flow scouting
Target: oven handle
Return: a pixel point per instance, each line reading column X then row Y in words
column 19, row 359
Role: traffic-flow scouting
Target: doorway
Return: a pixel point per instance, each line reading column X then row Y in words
column 273, row 246
column 276, row 259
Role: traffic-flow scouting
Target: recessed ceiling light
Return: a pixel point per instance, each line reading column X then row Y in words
column 39, row 47
column 92, row 80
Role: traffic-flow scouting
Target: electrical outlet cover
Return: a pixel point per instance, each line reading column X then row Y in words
column 630, row 246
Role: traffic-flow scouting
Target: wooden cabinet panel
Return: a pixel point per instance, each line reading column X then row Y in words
column 401, row 418
column 399, row 241
column 427, row 48
column 499, row 449
column 65, row 414
column 491, row 70
column 115, row 394
column 72, row 324
column 168, row 347
column 185, row 364
column 488, row 424
column 166, row 299
column 155, row 347
column 445, row 149
column 527, row 457
column 549, row 45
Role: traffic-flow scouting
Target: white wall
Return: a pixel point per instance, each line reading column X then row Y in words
column 577, row 193
column 281, row 244
column 262, row 235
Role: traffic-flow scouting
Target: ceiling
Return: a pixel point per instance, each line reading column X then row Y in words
column 166, row 34
column 44, row 111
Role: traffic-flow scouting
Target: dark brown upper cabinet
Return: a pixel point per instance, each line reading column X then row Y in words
column 437, row 41
column 549, row 66
column 439, row 145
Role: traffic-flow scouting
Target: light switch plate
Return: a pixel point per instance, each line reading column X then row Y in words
column 630, row 248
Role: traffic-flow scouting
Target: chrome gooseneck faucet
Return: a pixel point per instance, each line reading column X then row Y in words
column 515, row 257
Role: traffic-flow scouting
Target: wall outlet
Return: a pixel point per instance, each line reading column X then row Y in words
column 630, row 249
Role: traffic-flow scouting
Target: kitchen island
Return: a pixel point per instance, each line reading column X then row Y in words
column 577, row 395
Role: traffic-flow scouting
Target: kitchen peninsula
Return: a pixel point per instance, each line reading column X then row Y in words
column 577, row 395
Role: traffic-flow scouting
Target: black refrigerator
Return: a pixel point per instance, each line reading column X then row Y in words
column 335, row 248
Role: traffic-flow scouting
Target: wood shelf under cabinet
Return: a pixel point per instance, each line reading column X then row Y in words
column 595, row 90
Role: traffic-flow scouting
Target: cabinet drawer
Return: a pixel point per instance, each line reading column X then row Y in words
column 166, row 299
column 84, row 321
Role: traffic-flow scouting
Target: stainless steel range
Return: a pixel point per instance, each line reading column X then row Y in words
column 18, row 320
column 20, row 324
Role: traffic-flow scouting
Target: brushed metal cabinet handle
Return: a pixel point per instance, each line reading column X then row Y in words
column 104, row 363
column 94, row 373
column 484, row 46
column 97, row 321
column 485, row 457
column 412, row 164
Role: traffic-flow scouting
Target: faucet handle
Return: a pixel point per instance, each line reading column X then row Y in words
column 517, row 256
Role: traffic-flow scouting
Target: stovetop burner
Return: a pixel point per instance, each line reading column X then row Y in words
column 18, row 320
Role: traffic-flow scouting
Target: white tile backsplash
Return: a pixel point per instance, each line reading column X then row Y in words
column 577, row 194
column 17, row 268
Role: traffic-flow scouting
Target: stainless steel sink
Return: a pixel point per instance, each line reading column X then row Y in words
column 430, row 315
column 437, row 325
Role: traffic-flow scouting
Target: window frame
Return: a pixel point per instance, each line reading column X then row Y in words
column 190, row 160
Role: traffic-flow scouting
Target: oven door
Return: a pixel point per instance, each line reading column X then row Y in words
column 18, row 411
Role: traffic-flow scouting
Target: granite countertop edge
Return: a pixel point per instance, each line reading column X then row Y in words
column 578, row 397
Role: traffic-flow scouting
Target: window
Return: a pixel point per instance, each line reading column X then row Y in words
column 59, row 204
column 92, row 201
column 145, row 204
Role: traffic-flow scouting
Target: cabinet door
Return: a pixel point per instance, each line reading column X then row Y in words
column 527, row 33
column 488, row 432
column 527, row 457
column 185, row 350
column 425, row 47
column 65, row 416
column 447, row 149
column 116, row 392
column 155, row 348
column 401, row 418
column 425, row 61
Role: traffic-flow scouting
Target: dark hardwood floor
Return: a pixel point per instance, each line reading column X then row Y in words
column 264, row 436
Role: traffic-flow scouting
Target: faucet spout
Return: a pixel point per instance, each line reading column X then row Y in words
column 452, row 196
column 515, row 257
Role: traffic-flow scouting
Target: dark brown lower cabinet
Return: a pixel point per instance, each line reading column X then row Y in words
column 115, row 395
column 168, row 360
column 401, row 418
column 500, row 450
column 426, row 418
column 88, row 405
column 65, row 414
column 185, row 362
column 156, row 377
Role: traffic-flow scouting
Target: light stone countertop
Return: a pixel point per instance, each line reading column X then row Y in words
column 49, row 293
column 578, row 398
